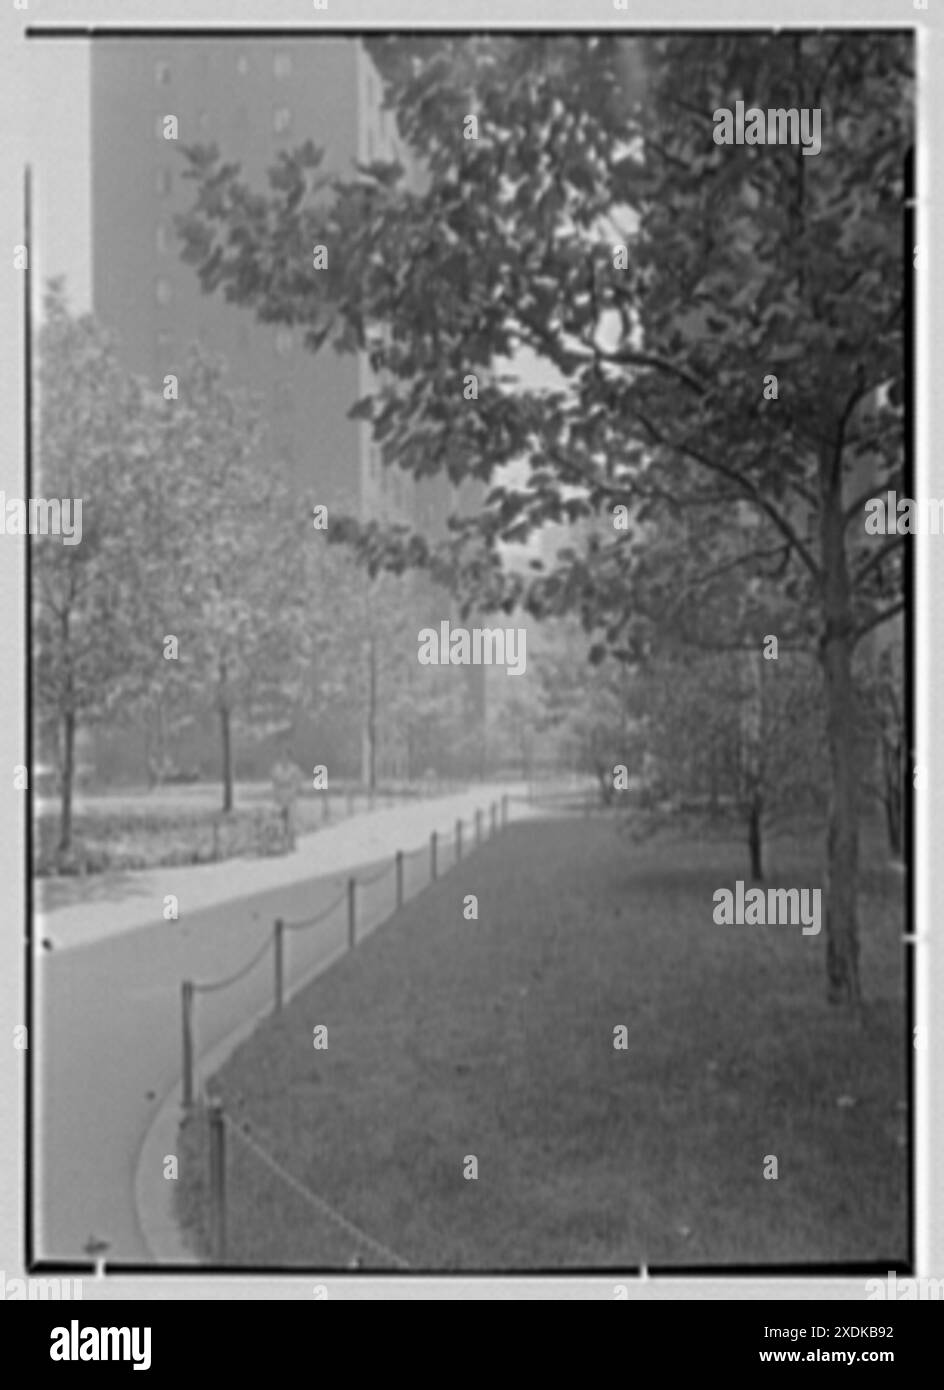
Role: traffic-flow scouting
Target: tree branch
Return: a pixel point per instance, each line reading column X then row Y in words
column 743, row 483
column 627, row 357
column 877, row 557
column 881, row 616
column 855, row 508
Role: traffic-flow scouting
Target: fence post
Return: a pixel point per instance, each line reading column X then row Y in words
column 432, row 855
column 351, row 910
column 504, row 806
column 277, row 940
column 458, row 840
column 399, row 859
column 494, row 810
column 186, row 998
column 478, row 829
column 217, row 1182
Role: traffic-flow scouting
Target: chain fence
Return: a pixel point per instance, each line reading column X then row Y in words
column 363, row 905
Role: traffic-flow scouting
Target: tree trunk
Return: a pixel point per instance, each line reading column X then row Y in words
column 161, row 744
column 714, row 803
column 227, row 746
column 892, row 797
column 67, row 781
column 372, row 719
column 842, row 840
column 156, row 748
column 755, row 839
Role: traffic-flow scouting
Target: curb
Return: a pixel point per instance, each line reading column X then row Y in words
column 153, row 1193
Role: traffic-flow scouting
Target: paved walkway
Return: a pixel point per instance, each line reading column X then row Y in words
column 106, row 1042
column 106, row 904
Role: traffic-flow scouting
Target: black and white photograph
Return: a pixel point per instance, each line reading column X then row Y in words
column 467, row 541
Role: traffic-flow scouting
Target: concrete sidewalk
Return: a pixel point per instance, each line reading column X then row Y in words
column 107, row 1039
column 109, row 904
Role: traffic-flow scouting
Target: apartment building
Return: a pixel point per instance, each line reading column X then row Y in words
column 252, row 98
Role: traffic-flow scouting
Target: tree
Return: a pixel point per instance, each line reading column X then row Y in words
column 91, row 425
column 585, row 706
column 885, row 735
column 153, row 542
column 410, row 715
column 236, row 597
column 187, row 593
column 667, row 281
column 517, row 724
column 733, row 735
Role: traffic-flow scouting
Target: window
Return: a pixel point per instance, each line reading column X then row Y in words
column 281, row 119
column 284, row 341
column 163, row 291
column 164, row 182
column 161, row 73
column 282, row 65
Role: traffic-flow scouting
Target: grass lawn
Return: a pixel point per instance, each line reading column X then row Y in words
column 494, row 1038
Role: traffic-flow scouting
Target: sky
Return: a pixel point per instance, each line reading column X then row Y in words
column 58, row 117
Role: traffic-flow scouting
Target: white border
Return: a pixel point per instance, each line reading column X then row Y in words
column 929, row 305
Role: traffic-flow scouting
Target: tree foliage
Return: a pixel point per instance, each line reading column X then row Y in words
column 659, row 278
column 90, row 422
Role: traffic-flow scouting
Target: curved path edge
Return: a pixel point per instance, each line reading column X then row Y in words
column 153, row 1193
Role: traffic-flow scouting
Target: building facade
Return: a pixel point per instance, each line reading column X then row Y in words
column 252, row 98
